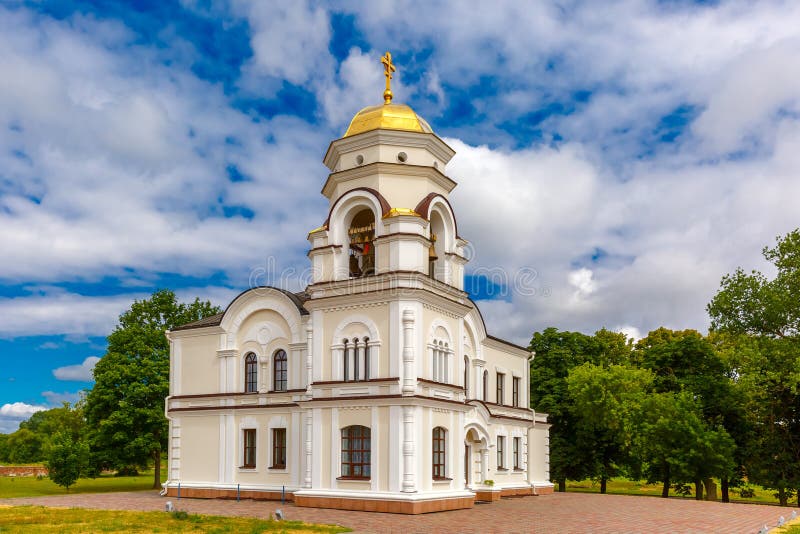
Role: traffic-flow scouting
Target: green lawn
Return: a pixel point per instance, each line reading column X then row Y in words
column 34, row 487
column 33, row 519
column 622, row 486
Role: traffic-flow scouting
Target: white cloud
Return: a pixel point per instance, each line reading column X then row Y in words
column 80, row 373
column 55, row 399
column 581, row 280
column 11, row 415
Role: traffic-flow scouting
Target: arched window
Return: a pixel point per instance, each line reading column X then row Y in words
column 356, row 452
column 362, row 249
column 439, row 453
column 466, row 377
column 250, row 373
column 486, row 385
column 279, row 379
column 356, row 359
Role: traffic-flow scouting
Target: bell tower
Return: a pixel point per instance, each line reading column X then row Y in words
column 389, row 200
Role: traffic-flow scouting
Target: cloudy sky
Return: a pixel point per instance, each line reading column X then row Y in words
column 614, row 160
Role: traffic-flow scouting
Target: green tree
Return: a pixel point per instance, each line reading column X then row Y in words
column 675, row 443
column 125, row 408
column 572, row 447
column 24, row 447
column 606, row 401
column 66, row 459
column 4, row 448
column 768, row 312
column 687, row 361
column 65, row 418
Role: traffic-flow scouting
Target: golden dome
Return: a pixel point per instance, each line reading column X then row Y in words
column 389, row 117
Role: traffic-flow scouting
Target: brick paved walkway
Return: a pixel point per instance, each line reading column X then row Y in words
column 561, row 512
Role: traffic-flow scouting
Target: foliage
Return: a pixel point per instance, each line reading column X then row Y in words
column 125, row 408
column 762, row 317
column 605, row 401
column 66, row 459
column 35, row 519
column 24, row 447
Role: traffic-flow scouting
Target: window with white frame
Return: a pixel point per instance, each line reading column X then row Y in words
column 441, row 361
column 249, row 448
column 439, row 448
column 516, row 453
column 356, row 359
column 501, row 452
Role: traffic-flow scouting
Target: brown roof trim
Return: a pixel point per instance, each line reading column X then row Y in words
column 236, row 407
column 435, row 383
column 348, row 382
column 385, row 208
column 510, row 344
column 211, row 320
column 424, row 208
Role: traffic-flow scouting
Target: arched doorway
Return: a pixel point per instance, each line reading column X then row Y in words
column 475, row 457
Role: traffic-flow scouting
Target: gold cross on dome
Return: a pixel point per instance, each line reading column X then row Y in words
column 388, row 69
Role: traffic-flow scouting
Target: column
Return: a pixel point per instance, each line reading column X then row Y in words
column 484, row 464
column 309, row 431
column 409, row 380
column 409, row 484
column 309, row 357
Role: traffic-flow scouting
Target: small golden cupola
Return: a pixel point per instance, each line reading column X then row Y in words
column 387, row 116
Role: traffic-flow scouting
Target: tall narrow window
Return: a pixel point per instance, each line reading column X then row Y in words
column 515, row 391
column 366, row 358
column 279, row 371
column 356, row 452
column 279, row 448
column 466, row 377
column 486, row 386
column 439, row 451
column 250, row 373
column 346, row 359
column 355, row 358
column 249, row 451
column 517, row 445
column 501, row 388
column 501, row 445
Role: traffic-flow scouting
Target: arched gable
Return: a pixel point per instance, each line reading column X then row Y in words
column 264, row 298
column 435, row 325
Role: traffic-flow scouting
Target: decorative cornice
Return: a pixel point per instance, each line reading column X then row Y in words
column 383, row 167
column 430, row 141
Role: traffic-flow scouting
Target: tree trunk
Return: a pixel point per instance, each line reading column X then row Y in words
column 156, row 469
column 698, row 490
column 782, row 497
column 562, row 485
column 603, row 481
column 665, row 489
column 723, row 484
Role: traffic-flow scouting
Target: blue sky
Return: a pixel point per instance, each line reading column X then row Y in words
column 613, row 161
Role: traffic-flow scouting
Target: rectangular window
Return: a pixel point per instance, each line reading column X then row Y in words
column 438, row 453
column 279, row 448
column 515, row 391
column 515, row 451
column 501, row 388
column 356, row 452
column 501, row 445
column 249, row 452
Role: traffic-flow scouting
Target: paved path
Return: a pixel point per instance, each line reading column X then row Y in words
column 561, row 512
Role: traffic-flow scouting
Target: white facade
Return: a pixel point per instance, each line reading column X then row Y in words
column 379, row 383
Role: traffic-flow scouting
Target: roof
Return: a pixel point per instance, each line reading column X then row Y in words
column 298, row 299
column 389, row 117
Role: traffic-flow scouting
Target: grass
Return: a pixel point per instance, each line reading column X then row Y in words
column 33, row 519
column 36, row 487
column 622, row 486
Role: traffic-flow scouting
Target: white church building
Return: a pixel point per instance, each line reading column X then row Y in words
column 377, row 388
